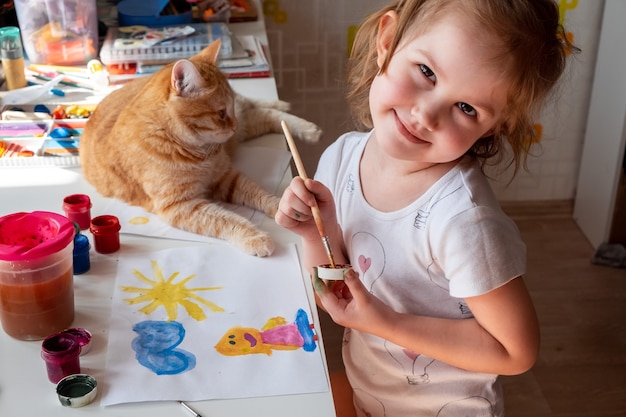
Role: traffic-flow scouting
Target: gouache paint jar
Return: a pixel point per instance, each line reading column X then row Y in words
column 61, row 352
column 328, row 272
column 106, row 233
column 36, row 280
column 77, row 208
column 59, row 32
column 82, row 262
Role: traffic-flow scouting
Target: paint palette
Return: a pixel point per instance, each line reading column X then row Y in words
column 38, row 135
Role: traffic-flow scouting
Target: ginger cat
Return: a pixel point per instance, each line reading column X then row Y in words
column 165, row 143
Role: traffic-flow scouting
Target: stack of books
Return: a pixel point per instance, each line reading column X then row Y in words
column 138, row 50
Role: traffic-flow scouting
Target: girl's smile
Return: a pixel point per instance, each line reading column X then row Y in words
column 407, row 133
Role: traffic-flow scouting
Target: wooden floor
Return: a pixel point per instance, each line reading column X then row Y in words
column 581, row 370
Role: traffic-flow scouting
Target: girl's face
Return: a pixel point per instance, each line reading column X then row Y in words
column 440, row 93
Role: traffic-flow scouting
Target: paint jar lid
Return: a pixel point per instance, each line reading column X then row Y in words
column 29, row 236
column 77, row 390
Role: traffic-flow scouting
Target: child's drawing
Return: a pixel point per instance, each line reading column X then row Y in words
column 170, row 295
column 173, row 312
column 277, row 334
column 155, row 347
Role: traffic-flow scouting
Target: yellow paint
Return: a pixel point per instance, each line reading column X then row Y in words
column 564, row 7
column 271, row 8
column 238, row 340
column 352, row 30
column 169, row 295
column 234, row 342
column 139, row 220
column 274, row 322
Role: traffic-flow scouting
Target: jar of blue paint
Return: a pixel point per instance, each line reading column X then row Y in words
column 81, row 254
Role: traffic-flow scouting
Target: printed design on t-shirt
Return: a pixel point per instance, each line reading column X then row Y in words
column 420, row 219
column 464, row 309
column 471, row 407
column 347, row 333
column 350, row 184
column 368, row 405
column 437, row 278
column 414, row 365
column 370, row 258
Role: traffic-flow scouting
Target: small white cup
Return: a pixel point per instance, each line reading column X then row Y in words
column 327, row 272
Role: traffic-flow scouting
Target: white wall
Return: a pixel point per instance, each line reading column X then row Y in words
column 308, row 42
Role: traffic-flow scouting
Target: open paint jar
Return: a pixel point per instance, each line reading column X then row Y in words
column 327, row 272
column 61, row 352
column 36, row 280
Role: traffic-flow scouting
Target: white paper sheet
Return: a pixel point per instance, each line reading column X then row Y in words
column 252, row 292
column 263, row 164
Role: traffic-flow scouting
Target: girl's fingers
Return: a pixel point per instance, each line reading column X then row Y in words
column 354, row 284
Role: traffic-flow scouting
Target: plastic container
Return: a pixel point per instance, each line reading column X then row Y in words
column 106, row 233
column 61, row 352
column 327, row 272
column 58, row 32
column 12, row 57
column 77, row 208
column 82, row 263
column 150, row 13
column 36, row 280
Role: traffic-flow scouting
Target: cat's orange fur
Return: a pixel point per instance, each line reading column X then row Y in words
column 161, row 143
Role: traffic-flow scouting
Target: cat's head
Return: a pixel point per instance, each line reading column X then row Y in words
column 202, row 98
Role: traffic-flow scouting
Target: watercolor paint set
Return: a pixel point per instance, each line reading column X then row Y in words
column 42, row 135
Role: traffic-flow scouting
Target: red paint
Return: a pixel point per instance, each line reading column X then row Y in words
column 106, row 233
column 77, row 208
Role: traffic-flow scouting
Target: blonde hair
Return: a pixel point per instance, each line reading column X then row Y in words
column 533, row 57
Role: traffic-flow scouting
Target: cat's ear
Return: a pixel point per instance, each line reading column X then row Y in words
column 211, row 52
column 185, row 78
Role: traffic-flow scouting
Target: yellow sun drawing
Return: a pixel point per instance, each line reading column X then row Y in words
column 168, row 294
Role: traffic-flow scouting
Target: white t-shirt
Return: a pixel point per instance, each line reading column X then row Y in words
column 424, row 259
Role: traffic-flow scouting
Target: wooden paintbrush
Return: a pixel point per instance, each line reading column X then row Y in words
column 315, row 209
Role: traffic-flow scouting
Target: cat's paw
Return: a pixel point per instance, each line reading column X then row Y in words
column 303, row 129
column 260, row 245
column 271, row 207
column 279, row 105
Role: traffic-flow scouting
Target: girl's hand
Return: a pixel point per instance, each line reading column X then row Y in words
column 351, row 305
column 294, row 209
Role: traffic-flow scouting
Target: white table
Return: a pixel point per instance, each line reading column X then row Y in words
column 24, row 387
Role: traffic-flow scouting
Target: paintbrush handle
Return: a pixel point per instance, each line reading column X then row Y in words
column 315, row 210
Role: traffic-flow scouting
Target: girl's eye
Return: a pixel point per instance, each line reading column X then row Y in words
column 427, row 72
column 467, row 109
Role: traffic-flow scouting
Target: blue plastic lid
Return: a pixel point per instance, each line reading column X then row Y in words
column 148, row 13
column 142, row 8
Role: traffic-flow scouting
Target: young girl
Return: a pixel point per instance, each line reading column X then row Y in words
column 435, row 307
